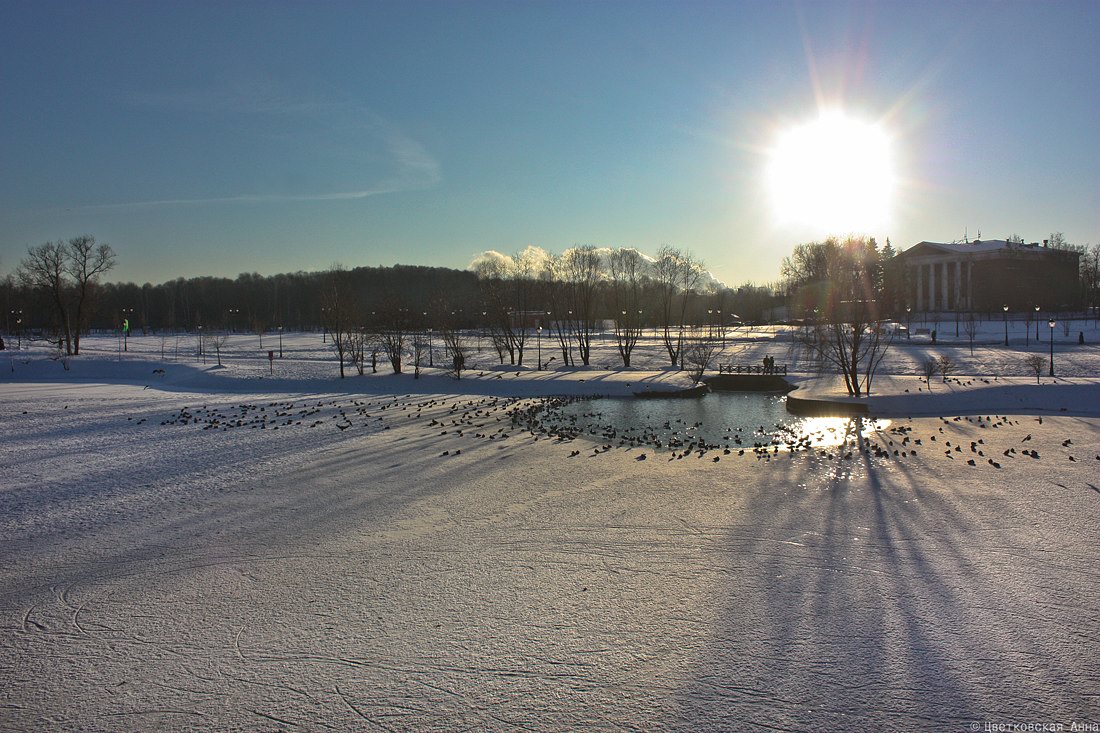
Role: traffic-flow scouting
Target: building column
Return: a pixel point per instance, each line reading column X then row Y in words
column 958, row 284
column 969, row 286
column 919, row 304
column 932, row 301
column 945, row 286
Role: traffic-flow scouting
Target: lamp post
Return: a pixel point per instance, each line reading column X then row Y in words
column 18, row 329
column 908, row 330
column 1036, row 323
column 1051, row 324
column 229, row 318
column 202, row 347
column 280, row 342
column 1005, row 309
column 127, row 314
column 430, row 363
column 539, row 365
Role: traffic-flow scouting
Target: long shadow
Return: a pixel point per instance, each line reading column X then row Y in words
column 880, row 610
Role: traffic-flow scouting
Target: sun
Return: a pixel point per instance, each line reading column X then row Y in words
column 834, row 174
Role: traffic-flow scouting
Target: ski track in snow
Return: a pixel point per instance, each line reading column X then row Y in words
column 184, row 577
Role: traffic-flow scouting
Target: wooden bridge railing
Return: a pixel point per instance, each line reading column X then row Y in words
column 751, row 369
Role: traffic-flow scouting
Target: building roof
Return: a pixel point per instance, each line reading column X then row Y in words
column 978, row 245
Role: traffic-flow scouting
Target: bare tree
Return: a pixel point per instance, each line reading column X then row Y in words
column 340, row 313
column 87, row 260
column 850, row 333
column 946, row 365
column 358, row 341
column 457, row 349
column 1035, row 363
column 218, row 341
column 700, row 354
column 677, row 274
column 557, row 297
column 419, row 348
column 970, row 326
column 624, row 269
column 68, row 273
column 581, row 271
column 929, row 368
column 393, row 331
column 44, row 269
column 508, row 285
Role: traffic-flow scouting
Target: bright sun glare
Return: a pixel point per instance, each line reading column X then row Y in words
column 834, row 174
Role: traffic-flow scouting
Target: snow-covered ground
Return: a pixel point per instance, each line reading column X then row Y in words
column 397, row 556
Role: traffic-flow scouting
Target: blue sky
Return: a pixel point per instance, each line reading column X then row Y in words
column 228, row 137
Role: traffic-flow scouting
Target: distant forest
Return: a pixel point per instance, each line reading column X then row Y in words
column 248, row 302
column 294, row 301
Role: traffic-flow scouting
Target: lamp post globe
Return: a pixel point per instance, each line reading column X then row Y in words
column 1051, row 323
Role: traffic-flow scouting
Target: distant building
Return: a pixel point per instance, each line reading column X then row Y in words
column 529, row 320
column 986, row 275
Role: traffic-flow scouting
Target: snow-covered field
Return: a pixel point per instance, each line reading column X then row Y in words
column 397, row 556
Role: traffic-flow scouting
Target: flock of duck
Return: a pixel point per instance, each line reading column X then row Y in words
column 559, row 419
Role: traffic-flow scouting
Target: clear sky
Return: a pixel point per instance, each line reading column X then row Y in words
column 227, row 137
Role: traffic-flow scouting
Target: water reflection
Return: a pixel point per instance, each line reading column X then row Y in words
column 722, row 420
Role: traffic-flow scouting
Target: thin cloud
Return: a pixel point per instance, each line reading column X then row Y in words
column 416, row 168
column 247, row 198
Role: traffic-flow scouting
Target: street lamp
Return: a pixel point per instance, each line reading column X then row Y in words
column 1036, row 323
column 280, row 342
column 908, row 330
column 202, row 347
column 18, row 329
column 229, row 318
column 429, row 340
column 1051, row 324
column 127, row 313
column 1005, row 309
column 539, row 366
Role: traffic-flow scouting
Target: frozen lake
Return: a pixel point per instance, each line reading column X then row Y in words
column 724, row 419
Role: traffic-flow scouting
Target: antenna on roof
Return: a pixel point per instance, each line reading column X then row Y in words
column 966, row 235
column 979, row 237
